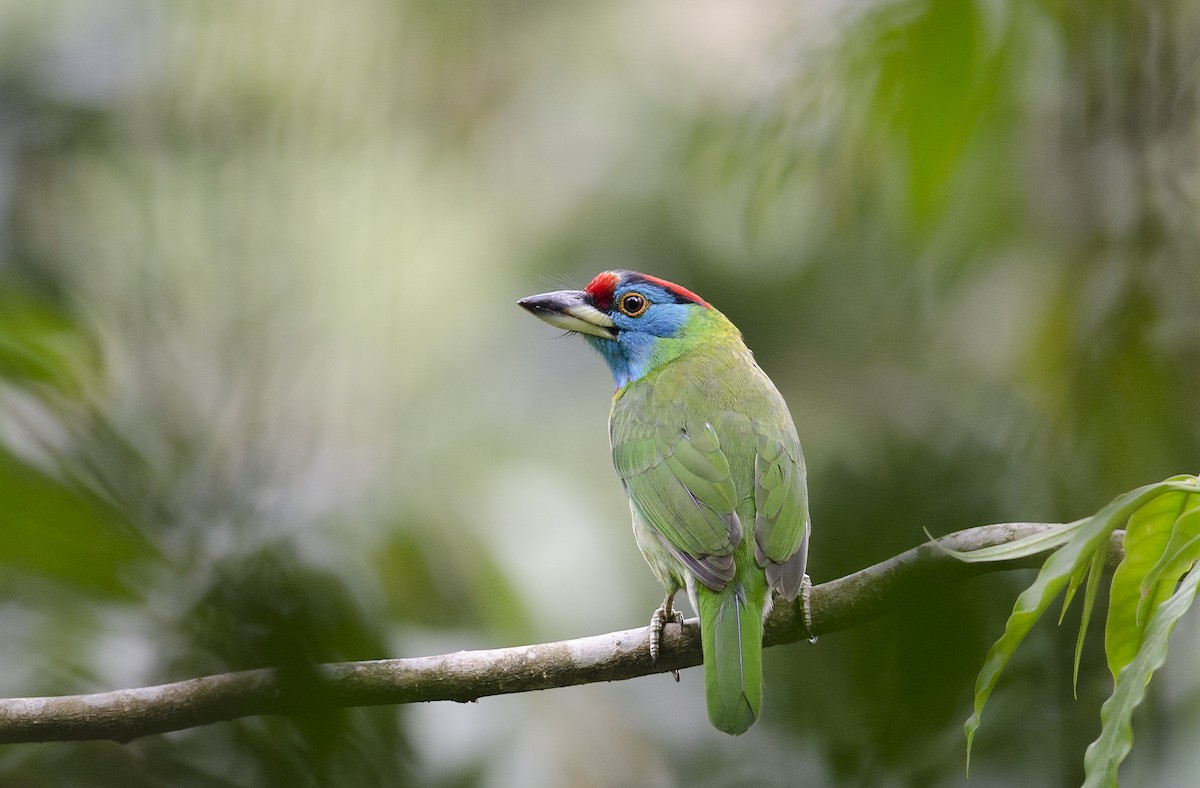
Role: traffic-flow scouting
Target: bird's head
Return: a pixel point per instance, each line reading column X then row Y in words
column 637, row 322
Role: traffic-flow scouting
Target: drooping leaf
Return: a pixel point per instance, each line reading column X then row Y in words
column 1146, row 538
column 1104, row 756
column 1077, row 578
column 1030, row 605
column 1181, row 552
column 1094, row 572
column 1021, row 548
column 1086, row 540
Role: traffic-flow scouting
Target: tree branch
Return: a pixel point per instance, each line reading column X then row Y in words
column 123, row 715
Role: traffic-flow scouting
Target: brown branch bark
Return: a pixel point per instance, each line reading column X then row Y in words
column 122, row 715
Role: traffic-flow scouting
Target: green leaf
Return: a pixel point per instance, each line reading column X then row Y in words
column 1021, row 548
column 1105, row 754
column 1181, row 552
column 1030, row 605
column 54, row 531
column 1094, row 571
column 1146, row 540
column 937, row 70
column 1088, row 538
column 1077, row 577
column 40, row 344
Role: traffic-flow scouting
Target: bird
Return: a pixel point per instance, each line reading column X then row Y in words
column 708, row 455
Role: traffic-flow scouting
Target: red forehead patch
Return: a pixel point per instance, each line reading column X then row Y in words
column 682, row 292
column 601, row 289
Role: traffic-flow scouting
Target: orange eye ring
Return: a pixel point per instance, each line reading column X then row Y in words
column 633, row 304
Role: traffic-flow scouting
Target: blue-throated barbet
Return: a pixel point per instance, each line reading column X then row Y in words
column 706, row 449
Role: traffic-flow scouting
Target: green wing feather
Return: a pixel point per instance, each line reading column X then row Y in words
column 687, row 496
column 781, row 524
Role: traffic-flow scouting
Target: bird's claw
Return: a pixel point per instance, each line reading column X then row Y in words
column 660, row 619
column 806, row 607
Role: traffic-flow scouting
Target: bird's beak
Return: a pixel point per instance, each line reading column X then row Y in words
column 571, row 310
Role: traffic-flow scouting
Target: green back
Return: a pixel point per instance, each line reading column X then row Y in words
column 709, row 456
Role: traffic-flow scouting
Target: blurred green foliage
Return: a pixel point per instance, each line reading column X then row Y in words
column 265, row 397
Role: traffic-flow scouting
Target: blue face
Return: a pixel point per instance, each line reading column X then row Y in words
column 645, row 314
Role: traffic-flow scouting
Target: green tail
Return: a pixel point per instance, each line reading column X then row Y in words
column 731, row 630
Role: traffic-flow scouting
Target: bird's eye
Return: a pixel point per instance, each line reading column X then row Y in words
column 633, row 304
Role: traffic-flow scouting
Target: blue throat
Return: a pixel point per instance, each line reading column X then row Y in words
column 629, row 356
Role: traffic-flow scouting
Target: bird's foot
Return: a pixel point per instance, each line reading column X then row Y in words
column 806, row 607
column 664, row 615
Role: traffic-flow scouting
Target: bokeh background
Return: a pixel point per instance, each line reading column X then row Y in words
column 266, row 398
